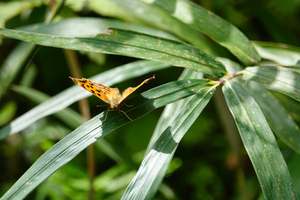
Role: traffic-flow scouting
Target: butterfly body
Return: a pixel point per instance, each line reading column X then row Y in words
column 109, row 95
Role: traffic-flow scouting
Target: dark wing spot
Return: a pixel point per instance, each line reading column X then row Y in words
column 98, row 94
column 87, row 86
column 91, row 83
column 82, row 81
column 93, row 91
column 98, row 90
column 82, row 85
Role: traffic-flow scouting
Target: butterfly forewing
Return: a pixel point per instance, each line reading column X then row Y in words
column 130, row 90
column 96, row 89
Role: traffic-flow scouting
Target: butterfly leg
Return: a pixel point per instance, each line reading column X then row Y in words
column 125, row 115
column 106, row 114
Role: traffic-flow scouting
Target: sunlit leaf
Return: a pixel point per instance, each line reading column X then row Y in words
column 198, row 19
column 130, row 43
column 284, row 80
column 260, row 144
column 280, row 53
column 153, row 165
column 278, row 118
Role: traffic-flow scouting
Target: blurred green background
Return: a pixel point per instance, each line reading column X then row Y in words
column 204, row 166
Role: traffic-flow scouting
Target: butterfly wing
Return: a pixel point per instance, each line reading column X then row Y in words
column 130, row 90
column 101, row 91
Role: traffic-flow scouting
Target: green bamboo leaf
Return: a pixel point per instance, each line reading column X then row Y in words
column 88, row 133
column 291, row 105
column 153, row 165
column 88, row 27
column 67, row 115
column 197, row 18
column 278, row 118
column 13, row 64
column 158, row 17
column 11, row 9
column 282, row 54
column 260, row 144
column 75, row 93
column 172, row 110
column 7, row 112
column 165, row 120
column 284, row 80
column 130, row 43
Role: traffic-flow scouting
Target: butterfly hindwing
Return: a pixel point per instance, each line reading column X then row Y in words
column 107, row 94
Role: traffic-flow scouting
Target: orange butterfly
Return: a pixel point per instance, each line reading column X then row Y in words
column 109, row 95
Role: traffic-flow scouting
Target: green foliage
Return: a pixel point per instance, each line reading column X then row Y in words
column 214, row 54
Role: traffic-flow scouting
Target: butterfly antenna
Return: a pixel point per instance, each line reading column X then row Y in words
column 102, row 105
column 125, row 115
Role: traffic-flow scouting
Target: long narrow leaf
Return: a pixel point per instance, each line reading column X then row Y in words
column 13, row 64
column 88, row 27
column 75, row 93
column 153, row 165
column 66, row 149
column 130, row 43
column 169, row 114
column 212, row 25
column 158, row 17
column 67, row 115
column 282, row 54
column 284, row 80
column 260, row 144
column 171, row 110
column 197, row 18
column 279, row 120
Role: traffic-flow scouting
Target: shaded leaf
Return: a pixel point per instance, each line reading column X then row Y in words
column 11, row 9
column 260, row 144
column 13, row 64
